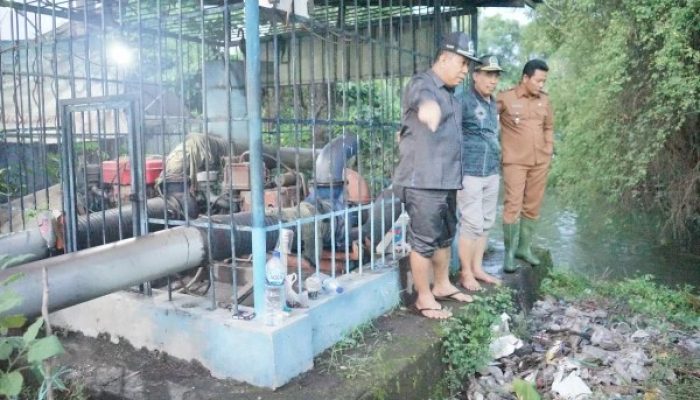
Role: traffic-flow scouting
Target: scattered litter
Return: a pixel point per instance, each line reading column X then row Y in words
column 571, row 387
column 577, row 351
column 504, row 346
column 504, row 343
column 640, row 334
column 552, row 352
column 605, row 338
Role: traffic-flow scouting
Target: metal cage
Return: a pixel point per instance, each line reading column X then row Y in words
column 239, row 119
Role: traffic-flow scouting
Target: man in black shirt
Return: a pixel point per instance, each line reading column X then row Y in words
column 429, row 172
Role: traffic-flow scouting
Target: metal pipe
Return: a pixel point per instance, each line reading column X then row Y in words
column 81, row 276
column 240, row 223
column 333, row 159
column 253, row 86
column 22, row 247
column 97, row 228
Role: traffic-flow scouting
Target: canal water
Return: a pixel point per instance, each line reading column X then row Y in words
column 604, row 243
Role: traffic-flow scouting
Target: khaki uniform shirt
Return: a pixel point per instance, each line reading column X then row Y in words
column 527, row 127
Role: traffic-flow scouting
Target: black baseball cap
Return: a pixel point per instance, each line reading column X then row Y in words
column 459, row 42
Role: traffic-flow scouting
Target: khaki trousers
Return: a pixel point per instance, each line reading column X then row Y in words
column 524, row 190
column 477, row 202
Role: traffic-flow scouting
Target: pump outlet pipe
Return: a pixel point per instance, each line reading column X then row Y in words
column 84, row 275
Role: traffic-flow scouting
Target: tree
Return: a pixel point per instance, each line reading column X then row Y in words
column 502, row 37
column 624, row 84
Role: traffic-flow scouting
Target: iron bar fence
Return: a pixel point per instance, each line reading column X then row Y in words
column 242, row 119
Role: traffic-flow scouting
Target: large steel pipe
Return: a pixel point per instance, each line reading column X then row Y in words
column 101, row 228
column 242, row 235
column 333, row 159
column 81, row 276
column 22, row 247
column 96, row 229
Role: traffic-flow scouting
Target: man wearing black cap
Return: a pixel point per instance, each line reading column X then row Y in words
column 429, row 171
column 481, row 164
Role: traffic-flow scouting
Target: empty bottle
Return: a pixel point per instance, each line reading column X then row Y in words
column 330, row 285
column 284, row 244
column 313, row 286
column 275, row 272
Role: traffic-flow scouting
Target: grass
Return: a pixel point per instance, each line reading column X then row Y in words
column 684, row 368
column 353, row 354
column 642, row 296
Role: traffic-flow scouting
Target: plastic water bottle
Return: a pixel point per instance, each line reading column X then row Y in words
column 395, row 239
column 330, row 285
column 275, row 272
column 400, row 227
column 284, row 245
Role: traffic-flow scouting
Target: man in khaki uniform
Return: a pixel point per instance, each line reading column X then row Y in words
column 527, row 141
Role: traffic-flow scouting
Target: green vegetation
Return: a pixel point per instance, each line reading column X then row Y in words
column 345, row 357
column 319, row 113
column 10, row 182
column 678, row 364
column 525, row 390
column 678, row 307
column 624, row 85
column 466, row 336
column 23, row 372
column 4, row 189
column 502, row 37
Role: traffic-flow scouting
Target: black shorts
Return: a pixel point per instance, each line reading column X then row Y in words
column 433, row 219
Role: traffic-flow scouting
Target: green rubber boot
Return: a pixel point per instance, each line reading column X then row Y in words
column 524, row 252
column 510, row 240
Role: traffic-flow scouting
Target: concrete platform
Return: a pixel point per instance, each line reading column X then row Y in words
column 397, row 357
column 247, row 351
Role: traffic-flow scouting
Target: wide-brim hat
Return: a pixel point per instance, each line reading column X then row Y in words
column 489, row 63
column 459, row 42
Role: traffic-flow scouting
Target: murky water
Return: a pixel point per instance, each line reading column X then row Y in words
column 600, row 243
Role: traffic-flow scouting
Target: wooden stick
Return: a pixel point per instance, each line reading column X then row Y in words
column 49, row 332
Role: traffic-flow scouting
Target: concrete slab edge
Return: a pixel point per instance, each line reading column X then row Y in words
column 247, row 351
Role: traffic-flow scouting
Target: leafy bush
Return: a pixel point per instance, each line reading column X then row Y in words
column 23, row 353
column 466, row 336
column 624, row 85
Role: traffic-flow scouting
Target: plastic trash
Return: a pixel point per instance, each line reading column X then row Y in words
column 630, row 365
column 571, row 387
column 284, row 245
column 640, row 334
column 504, row 346
column 294, row 299
column 501, row 328
column 504, row 343
column 605, row 338
column 553, row 352
column 332, row 286
column 395, row 239
column 313, row 286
